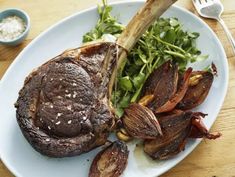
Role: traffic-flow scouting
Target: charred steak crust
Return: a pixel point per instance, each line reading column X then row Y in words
column 62, row 109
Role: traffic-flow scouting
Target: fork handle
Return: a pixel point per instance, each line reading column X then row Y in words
column 228, row 33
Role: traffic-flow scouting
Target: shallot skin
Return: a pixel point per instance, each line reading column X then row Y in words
column 197, row 93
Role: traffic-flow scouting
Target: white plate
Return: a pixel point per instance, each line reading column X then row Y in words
column 24, row 161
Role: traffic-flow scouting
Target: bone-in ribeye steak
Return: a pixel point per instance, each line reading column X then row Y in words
column 62, row 108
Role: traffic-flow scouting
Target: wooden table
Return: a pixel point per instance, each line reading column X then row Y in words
column 210, row 158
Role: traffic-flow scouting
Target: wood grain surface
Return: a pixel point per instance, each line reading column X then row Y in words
column 210, row 158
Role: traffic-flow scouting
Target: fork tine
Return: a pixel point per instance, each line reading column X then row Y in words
column 211, row 1
column 203, row 2
column 196, row 3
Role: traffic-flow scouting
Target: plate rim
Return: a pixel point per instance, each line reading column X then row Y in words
column 15, row 172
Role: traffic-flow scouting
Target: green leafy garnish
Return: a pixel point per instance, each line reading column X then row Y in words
column 105, row 25
column 125, row 83
column 164, row 40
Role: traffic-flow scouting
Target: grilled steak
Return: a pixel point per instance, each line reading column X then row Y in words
column 62, row 108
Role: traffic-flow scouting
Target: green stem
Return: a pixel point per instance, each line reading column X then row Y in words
column 175, row 54
column 137, row 93
column 142, row 69
column 170, row 45
column 155, row 64
column 125, row 93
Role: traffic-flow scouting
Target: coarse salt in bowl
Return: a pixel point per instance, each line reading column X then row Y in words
column 14, row 26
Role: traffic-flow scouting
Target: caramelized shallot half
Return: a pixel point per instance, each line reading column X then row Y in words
column 200, row 84
column 160, row 92
column 140, row 122
column 110, row 162
column 179, row 95
column 177, row 127
column 162, row 83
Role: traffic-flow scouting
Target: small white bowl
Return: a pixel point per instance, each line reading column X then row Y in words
column 23, row 15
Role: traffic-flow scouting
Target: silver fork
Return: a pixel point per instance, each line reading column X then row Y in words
column 213, row 9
